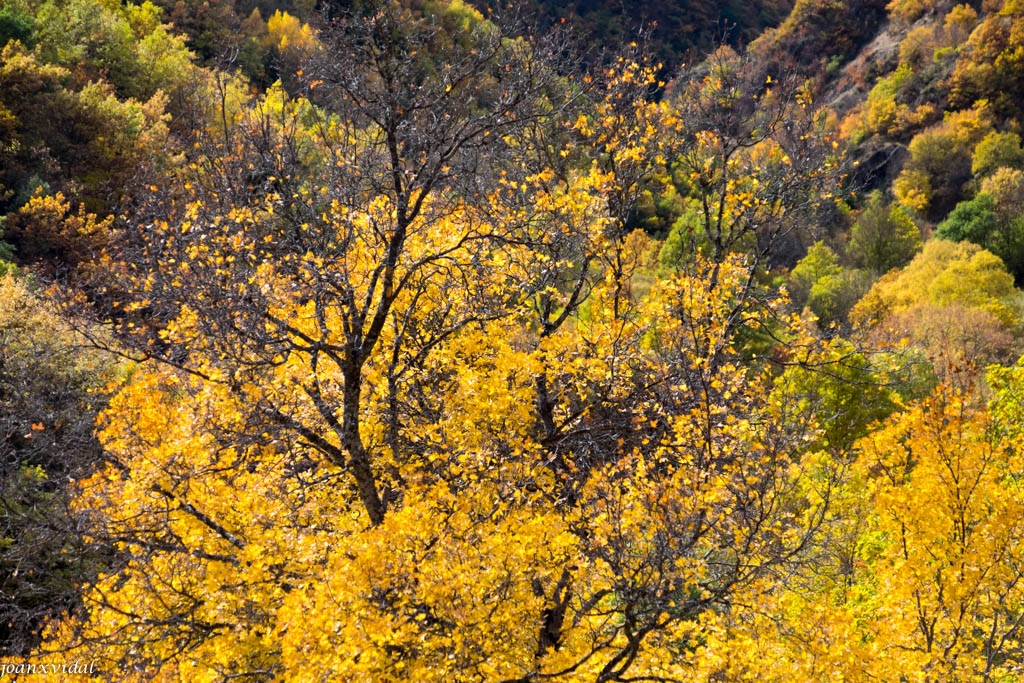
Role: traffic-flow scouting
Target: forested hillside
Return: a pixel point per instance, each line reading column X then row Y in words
column 673, row 32
column 419, row 340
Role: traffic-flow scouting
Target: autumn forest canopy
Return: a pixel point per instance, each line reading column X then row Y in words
column 420, row 340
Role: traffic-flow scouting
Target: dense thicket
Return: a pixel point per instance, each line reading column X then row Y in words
column 51, row 392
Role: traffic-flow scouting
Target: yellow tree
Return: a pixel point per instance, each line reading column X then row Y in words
column 932, row 590
column 323, row 234
column 948, row 508
column 675, row 479
column 408, row 418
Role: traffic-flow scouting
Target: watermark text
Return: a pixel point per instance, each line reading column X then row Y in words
column 77, row 667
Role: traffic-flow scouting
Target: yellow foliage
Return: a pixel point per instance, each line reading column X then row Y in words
column 285, row 32
column 949, row 508
column 415, row 428
column 944, row 274
column 258, row 557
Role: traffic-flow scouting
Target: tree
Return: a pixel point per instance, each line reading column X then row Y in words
column 973, row 221
column 847, row 394
column 514, row 553
column 16, row 24
column 402, row 394
column 942, row 479
column 817, row 32
column 127, row 47
column 944, row 273
column 823, row 286
column 955, row 301
column 922, row 579
column 988, row 65
column 997, row 150
column 933, row 180
column 958, row 341
column 63, row 139
column 994, row 219
column 758, row 160
column 51, row 236
column 883, row 237
column 398, row 167
column 885, row 112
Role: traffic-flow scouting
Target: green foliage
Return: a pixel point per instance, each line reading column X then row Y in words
column 685, row 238
column 823, row 286
column 884, row 237
column 93, row 36
column 164, row 64
column 974, row 221
column 986, row 222
column 845, row 390
column 883, row 114
column 17, row 25
column 6, row 252
column 662, row 203
column 86, row 143
column 833, row 297
column 126, row 46
column 820, row 262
